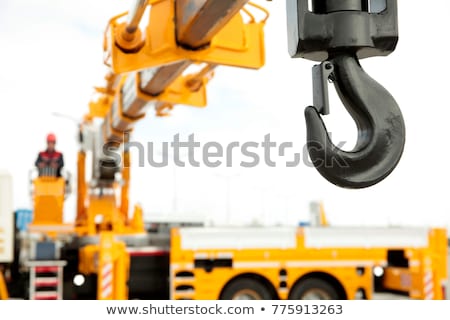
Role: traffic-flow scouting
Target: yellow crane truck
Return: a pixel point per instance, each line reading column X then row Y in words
column 108, row 253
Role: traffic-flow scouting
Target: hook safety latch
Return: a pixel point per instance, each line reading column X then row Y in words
column 322, row 74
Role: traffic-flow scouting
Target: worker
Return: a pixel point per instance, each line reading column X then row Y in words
column 50, row 162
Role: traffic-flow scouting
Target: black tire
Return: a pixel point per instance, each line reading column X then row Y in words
column 313, row 289
column 246, row 289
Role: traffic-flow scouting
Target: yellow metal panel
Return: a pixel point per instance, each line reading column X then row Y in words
column 110, row 261
column 236, row 44
column 3, row 290
column 100, row 107
column 398, row 279
column 88, row 256
column 48, row 199
column 81, row 188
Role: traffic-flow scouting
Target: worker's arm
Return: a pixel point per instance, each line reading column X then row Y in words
column 61, row 161
column 39, row 161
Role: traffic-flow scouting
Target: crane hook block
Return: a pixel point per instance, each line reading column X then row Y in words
column 238, row 43
column 367, row 27
column 338, row 33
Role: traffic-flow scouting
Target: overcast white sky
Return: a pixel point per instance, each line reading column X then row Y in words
column 51, row 57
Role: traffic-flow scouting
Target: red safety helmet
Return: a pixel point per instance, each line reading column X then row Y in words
column 51, row 137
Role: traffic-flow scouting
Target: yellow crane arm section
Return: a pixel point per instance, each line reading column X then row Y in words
column 148, row 68
column 148, row 61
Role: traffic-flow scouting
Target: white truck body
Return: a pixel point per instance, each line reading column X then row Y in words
column 6, row 218
column 315, row 237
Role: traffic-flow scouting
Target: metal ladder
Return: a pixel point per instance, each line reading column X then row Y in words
column 46, row 279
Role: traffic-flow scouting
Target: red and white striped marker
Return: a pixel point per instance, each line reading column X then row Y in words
column 428, row 285
column 107, row 280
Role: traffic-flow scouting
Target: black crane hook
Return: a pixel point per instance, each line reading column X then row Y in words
column 338, row 33
column 381, row 129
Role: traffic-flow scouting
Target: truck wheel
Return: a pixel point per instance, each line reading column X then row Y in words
column 313, row 289
column 246, row 289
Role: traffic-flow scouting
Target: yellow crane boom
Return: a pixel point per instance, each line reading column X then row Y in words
column 148, row 69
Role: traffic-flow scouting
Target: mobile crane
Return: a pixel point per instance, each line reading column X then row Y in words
column 105, row 248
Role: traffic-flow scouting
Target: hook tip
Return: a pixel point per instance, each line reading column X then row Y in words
column 359, row 168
